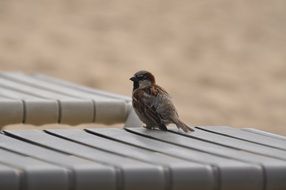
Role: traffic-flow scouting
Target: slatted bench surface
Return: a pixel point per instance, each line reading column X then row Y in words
column 39, row 99
column 211, row 158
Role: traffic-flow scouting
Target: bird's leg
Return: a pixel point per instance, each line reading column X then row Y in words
column 163, row 127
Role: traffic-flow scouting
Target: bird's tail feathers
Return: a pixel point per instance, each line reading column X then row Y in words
column 183, row 126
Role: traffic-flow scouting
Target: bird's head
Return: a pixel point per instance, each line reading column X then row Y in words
column 142, row 79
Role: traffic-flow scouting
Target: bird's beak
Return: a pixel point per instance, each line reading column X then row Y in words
column 133, row 79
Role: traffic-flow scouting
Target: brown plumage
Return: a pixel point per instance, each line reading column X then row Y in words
column 153, row 104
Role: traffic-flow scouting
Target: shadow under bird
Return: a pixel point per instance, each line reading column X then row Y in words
column 153, row 104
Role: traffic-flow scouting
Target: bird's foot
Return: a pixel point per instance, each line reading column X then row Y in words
column 148, row 127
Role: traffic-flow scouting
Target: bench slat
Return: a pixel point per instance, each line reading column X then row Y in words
column 75, row 105
column 244, row 135
column 274, row 168
column 264, row 133
column 180, row 170
column 86, row 174
column 35, row 173
column 11, row 111
column 72, row 111
column 130, row 171
column 233, row 174
column 36, row 110
column 236, row 143
column 81, row 88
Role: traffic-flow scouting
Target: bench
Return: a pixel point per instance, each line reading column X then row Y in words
column 40, row 99
column 129, row 158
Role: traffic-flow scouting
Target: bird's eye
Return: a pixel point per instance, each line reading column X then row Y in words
column 141, row 77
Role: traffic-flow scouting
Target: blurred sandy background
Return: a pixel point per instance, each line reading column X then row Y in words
column 223, row 62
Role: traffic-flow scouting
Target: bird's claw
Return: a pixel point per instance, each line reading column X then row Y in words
column 148, row 127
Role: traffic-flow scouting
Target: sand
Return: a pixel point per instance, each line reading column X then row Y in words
column 223, row 62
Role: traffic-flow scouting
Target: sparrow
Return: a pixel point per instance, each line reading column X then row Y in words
column 153, row 104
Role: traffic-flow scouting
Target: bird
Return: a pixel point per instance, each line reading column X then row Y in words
column 153, row 104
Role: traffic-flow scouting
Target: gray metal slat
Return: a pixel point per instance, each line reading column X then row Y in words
column 10, row 178
column 111, row 112
column 132, row 174
column 53, row 87
column 79, row 87
column 37, row 110
column 30, row 90
column 264, row 133
column 11, row 111
column 37, row 174
column 87, row 174
column 73, row 111
column 232, row 174
column 13, row 94
column 243, row 135
column 107, row 109
column 183, row 174
column 274, row 168
column 235, row 143
column 76, row 111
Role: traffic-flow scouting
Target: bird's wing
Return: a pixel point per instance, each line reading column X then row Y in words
column 164, row 105
column 144, row 102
